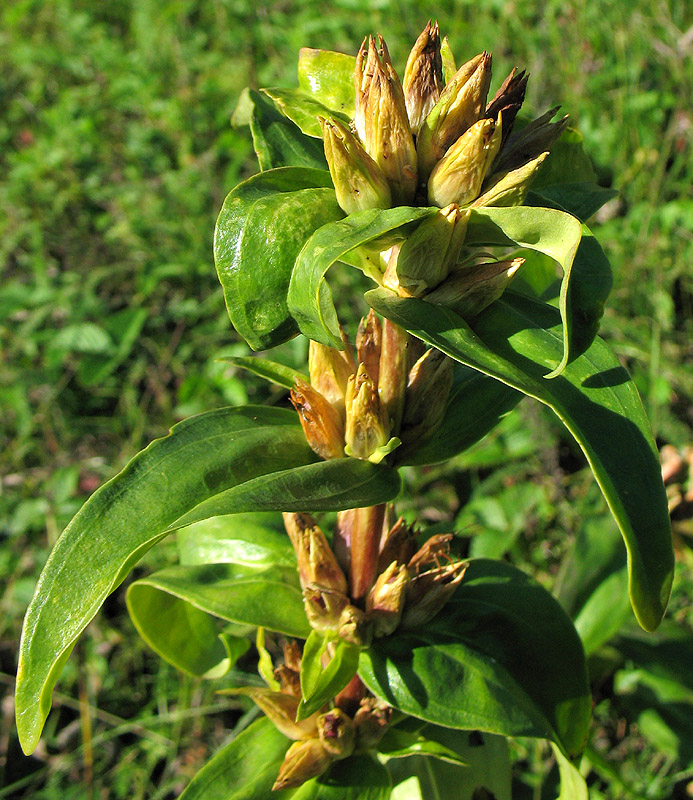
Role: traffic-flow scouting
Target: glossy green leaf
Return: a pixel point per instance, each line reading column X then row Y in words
column 567, row 162
column 514, row 340
column 573, row 786
column 270, row 370
column 359, row 777
column 309, row 299
column 328, row 77
column 581, row 199
column 278, row 142
column 477, row 404
column 260, row 230
column 320, row 683
column 553, row 233
column 402, row 744
column 244, row 769
column 226, row 454
column 482, row 664
column 253, row 540
column 270, row 598
column 303, row 110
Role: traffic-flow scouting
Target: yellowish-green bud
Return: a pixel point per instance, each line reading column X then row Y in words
column 381, row 120
column 398, row 545
column 337, row 733
column 510, row 188
column 471, row 289
column 431, row 252
column 461, row 104
column 392, row 380
column 372, row 721
column 367, row 427
column 368, row 345
column 458, row 176
column 303, row 760
column 423, row 76
column 429, row 592
column 281, row 710
column 329, row 371
column 355, row 626
column 323, row 607
column 385, row 601
column 428, row 387
column 321, row 422
column 317, row 565
column 448, row 59
column 359, row 183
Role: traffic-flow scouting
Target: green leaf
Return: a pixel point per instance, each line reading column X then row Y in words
column 502, row 656
column 359, row 777
column 514, row 340
column 567, row 162
column 321, row 683
column 553, row 233
column 328, row 77
column 269, row 598
column 230, row 453
column 403, row 744
column 279, row 142
column 310, row 300
column 270, row 370
column 244, row 769
column 580, row 199
column 260, row 230
column 253, row 540
column 303, row 110
column 573, row 786
column 476, row 405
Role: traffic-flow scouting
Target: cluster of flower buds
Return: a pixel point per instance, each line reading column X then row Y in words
column 366, row 403
column 352, row 723
column 435, row 139
column 396, row 584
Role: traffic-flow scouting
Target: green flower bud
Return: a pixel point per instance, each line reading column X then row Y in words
column 329, row 371
column 471, row 289
column 428, row 387
column 359, row 183
column 321, row 423
column 368, row 344
column 423, row 76
column 355, row 627
column 510, row 188
column 337, row 733
column 429, row 592
column 381, row 120
column 431, row 252
column 303, row 760
column 317, row 565
column 458, row 176
column 448, row 59
column 535, row 138
column 372, row 721
column 367, row 427
column 392, row 380
column 324, row 607
column 385, row 601
column 281, row 710
column 460, row 105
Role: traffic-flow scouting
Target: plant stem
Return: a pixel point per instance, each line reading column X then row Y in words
column 365, row 543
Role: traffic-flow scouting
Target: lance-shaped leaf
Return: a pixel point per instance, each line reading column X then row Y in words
column 481, row 664
column 325, row 671
column 310, row 300
column 582, row 200
column 328, row 77
column 514, row 340
column 278, row 142
column 260, row 230
column 303, row 109
column 269, row 370
column 227, row 454
column 555, row 234
column 171, row 609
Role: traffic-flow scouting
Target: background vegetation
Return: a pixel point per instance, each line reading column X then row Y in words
column 115, row 155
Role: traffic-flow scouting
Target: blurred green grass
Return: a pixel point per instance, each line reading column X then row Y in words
column 115, row 154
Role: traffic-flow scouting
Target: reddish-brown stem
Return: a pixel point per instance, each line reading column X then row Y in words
column 365, row 543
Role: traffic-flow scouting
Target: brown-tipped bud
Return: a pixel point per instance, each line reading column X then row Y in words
column 317, row 564
column 394, row 367
column 434, row 549
column 460, row 105
column 428, row 387
column 367, row 427
column 381, row 120
column 359, row 182
column 372, row 721
column 429, row 592
column 321, row 423
column 458, row 176
column 385, row 601
column 431, row 252
column 423, row 76
column 292, row 654
column 368, row 343
column 329, row 371
column 510, row 188
column 448, row 59
column 323, row 607
column 281, row 710
column 289, row 680
column 398, row 545
column 337, row 733
column 355, row 626
column 508, row 100
column 471, row 289
column 532, row 140
column 303, row 760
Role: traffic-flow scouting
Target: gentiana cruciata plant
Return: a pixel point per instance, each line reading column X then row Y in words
column 380, row 648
